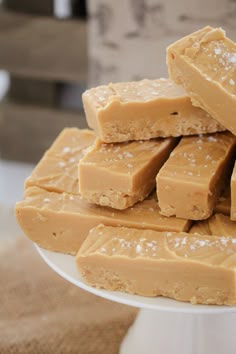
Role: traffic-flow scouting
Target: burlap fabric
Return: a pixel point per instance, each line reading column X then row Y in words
column 40, row 313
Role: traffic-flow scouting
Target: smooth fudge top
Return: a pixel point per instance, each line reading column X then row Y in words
column 143, row 110
column 140, row 91
column 71, row 142
column 213, row 52
column 224, row 203
column 144, row 214
column 217, row 225
column 204, row 63
column 211, row 250
column 221, row 225
column 200, row 227
column 127, row 157
column 58, row 169
column 198, row 157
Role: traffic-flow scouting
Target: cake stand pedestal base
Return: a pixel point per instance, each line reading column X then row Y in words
column 163, row 326
column 165, row 332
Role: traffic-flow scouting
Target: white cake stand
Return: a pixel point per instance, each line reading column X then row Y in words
column 163, row 326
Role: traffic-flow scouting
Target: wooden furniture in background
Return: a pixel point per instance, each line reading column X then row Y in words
column 43, row 47
column 40, row 7
column 33, row 91
column 43, row 55
column 27, row 130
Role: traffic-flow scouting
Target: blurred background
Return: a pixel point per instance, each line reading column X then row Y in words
column 52, row 50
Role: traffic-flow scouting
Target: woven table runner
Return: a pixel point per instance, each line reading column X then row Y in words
column 42, row 313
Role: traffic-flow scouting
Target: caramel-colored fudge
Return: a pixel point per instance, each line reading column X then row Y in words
column 195, row 268
column 119, row 175
column 60, row 221
column 191, row 181
column 217, row 225
column 233, row 194
column 204, row 63
column 221, row 225
column 143, row 110
column 200, row 227
column 58, row 169
column 223, row 205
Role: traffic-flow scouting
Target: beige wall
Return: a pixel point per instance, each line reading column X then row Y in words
column 128, row 38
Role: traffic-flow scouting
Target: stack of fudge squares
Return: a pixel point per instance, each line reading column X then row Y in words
column 147, row 199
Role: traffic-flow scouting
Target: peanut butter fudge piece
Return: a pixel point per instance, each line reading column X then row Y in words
column 58, row 169
column 233, row 194
column 195, row 268
column 143, row 110
column 60, row 221
column 200, row 228
column 221, row 225
column 204, row 63
column 217, row 225
column 223, row 205
column 119, row 175
column 190, row 182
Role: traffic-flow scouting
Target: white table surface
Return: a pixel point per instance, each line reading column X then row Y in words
column 12, row 176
